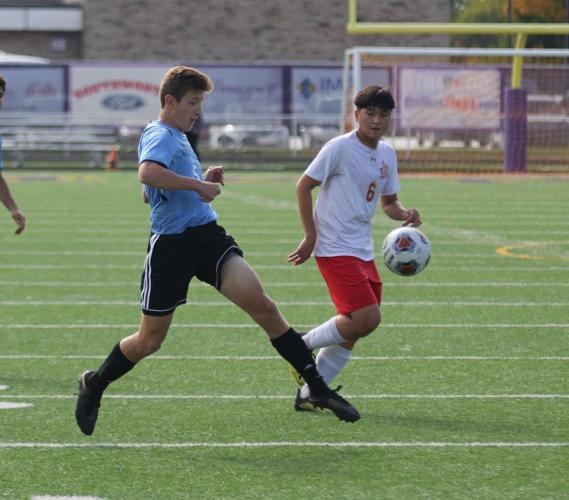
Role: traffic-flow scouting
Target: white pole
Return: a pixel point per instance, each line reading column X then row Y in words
column 467, row 51
column 347, row 91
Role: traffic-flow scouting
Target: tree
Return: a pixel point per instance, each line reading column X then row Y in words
column 497, row 11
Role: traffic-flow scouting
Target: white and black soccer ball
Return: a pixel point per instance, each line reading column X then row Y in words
column 406, row 251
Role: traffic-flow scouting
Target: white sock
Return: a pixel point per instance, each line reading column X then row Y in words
column 329, row 362
column 323, row 335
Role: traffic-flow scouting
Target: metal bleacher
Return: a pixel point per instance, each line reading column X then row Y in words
column 34, row 137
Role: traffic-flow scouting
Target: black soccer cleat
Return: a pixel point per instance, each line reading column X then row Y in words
column 88, row 403
column 304, row 404
column 332, row 401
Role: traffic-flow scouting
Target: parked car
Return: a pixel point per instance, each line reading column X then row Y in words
column 246, row 136
column 485, row 138
column 317, row 135
column 548, row 121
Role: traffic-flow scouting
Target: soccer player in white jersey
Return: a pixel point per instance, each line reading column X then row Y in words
column 5, row 195
column 187, row 242
column 354, row 171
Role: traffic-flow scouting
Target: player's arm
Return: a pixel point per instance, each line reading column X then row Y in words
column 9, row 202
column 304, row 250
column 155, row 175
column 395, row 210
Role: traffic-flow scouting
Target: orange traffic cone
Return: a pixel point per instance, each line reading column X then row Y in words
column 112, row 160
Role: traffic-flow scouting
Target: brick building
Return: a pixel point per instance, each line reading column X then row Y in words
column 206, row 30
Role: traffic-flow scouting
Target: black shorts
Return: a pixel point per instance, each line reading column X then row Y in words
column 172, row 260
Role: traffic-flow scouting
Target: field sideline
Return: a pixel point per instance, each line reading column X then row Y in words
column 464, row 389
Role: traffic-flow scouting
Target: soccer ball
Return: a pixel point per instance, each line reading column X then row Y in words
column 406, row 251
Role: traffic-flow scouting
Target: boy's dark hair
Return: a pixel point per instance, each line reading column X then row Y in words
column 179, row 79
column 2, row 83
column 374, row 96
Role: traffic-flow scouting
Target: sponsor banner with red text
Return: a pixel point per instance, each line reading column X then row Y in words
column 449, row 98
column 133, row 89
column 34, row 88
column 116, row 90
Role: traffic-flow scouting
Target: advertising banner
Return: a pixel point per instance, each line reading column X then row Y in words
column 244, row 90
column 319, row 89
column 449, row 98
column 115, row 90
column 34, row 88
column 134, row 90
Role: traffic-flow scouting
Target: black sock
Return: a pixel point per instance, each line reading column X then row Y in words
column 292, row 348
column 114, row 367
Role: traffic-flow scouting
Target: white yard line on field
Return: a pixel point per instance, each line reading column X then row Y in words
column 296, row 235
column 120, row 253
column 291, row 444
column 303, row 284
column 233, row 326
column 86, row 219
column 289, row 267
column 14, row 406
column 274, row 397
column 164, row 357
column 299, row 303
column 65, row 497
column 128, row 241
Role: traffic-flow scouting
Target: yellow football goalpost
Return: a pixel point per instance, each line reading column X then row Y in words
column 515, row 145
column 522, row 30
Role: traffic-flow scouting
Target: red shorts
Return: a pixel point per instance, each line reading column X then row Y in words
column 353, row 283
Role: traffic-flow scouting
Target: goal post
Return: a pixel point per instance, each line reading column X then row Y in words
column 440, row 90
column 356, row 27
column 515, row 97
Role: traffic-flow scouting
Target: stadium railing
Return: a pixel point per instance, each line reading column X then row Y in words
column 33, row 137
column 253, row 141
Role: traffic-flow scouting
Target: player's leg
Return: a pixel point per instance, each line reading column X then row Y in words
column 329, row 362
column 148, row 339
column 122, row 358
column 241, row 285
column 334, row 350
column 164, row 286
column 355, row 288
column 345, row 329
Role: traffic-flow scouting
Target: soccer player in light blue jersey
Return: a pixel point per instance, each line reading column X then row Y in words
column 5, row 195
column 186, row 241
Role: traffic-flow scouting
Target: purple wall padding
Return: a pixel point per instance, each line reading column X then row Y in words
column 515, row 130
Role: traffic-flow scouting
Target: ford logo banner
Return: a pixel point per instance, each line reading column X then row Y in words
column 123, row 102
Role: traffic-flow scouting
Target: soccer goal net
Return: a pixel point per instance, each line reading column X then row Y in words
column 454, row 107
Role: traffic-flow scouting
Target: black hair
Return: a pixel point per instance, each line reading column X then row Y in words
column 374, row 96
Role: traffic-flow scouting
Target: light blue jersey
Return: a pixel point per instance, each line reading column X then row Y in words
column 173, row 210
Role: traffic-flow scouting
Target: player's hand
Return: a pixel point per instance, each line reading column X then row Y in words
column 20, row 220
column 303, row 251
column 209, row 190
column 413, row 218
column 214, row 174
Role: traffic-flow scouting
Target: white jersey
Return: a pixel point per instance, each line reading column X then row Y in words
column 353, row 179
